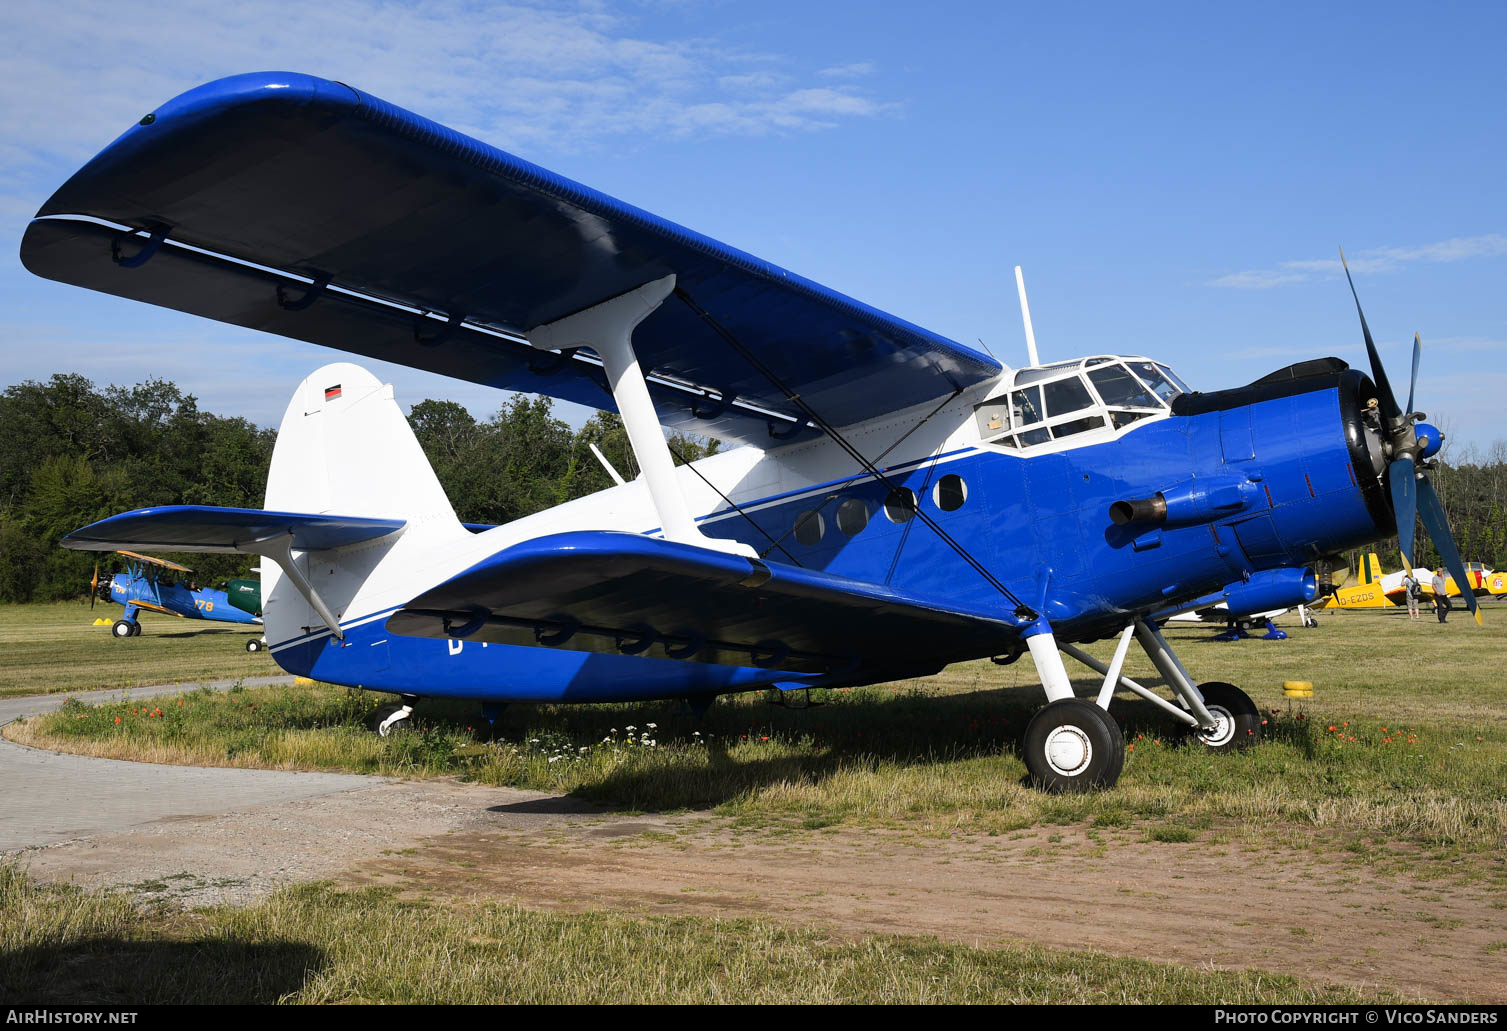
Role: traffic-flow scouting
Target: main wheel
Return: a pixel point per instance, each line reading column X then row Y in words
column 254, row 644
column 1239, row 723
column 384, row 723
column 121, row 628
column 1072, row 745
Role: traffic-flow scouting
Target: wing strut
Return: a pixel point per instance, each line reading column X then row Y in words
column 607, row 328
column 279, row 548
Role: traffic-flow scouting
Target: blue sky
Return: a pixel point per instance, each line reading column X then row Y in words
column 1175, row 178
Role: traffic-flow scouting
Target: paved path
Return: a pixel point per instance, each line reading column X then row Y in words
column 48, row 797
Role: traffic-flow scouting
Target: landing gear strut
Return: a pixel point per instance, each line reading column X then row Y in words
column 1075, row 745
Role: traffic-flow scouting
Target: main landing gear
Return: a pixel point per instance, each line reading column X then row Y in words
column 390, row 719
column 255, row 644
column 126, row 628
column 1075, row 745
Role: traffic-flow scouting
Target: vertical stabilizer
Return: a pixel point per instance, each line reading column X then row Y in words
column 345, row 448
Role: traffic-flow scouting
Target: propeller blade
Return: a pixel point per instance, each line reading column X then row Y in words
column 1388, row 400
column 94, row 586
column 1432, row 514
column 1403, row 484
column 1413, row 383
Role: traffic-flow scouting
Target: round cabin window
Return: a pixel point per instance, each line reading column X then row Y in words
column 900, row 505
column 810, row 528
column 852, row 516
column 950, row 493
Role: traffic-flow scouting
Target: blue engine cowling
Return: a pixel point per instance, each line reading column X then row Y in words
column 1272, row 589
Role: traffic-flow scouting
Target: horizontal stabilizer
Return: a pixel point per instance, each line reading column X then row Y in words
column 205, row 528
column 622, row 593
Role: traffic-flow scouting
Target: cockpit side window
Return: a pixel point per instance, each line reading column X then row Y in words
column 1066, row 395
column 1175, row 378
column 1025, row 406
column 1152, row 374
column 1067, row 429
column 1119, row 388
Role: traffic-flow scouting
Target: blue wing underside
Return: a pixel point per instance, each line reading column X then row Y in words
column 602, row 591
column 309, row 209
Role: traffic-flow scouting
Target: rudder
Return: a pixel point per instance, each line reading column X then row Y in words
column 344, row 447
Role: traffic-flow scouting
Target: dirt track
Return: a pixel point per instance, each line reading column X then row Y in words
column 1204, row 906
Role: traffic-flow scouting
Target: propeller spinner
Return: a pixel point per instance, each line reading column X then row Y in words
column 1409, row 443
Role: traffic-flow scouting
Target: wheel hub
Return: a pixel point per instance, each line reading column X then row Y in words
column 1068, row 750
column 1224, row 727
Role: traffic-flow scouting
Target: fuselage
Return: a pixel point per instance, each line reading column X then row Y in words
column 1032, row 506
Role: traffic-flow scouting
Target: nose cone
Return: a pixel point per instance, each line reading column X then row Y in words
column 1429, row 440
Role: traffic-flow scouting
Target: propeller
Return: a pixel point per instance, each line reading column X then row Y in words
column 1410, row 443
column 94, row 587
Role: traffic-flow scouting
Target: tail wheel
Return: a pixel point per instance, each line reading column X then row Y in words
column 121, row 628
column 390, row 719
column 1072, row 745
column 254, row 645
column 1238, row 720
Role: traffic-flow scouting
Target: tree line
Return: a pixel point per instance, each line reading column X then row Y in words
column 72, row 453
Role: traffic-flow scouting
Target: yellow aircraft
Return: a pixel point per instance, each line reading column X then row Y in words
column 1378, row 590
column 1371, row 591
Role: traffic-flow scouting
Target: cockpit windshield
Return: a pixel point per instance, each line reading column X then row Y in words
column 1053, row 402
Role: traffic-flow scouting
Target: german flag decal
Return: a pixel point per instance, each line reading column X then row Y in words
column 330, row 393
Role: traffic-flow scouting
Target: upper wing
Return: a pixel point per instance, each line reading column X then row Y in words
column 164, row 563
column 605, row 591
column 428, row 248
column 205, row 528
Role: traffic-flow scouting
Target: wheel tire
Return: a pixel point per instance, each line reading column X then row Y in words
column 253, row 645
column 1311, row 623
column 123, row 629
column 1072, row 745
column 380, row 717
column 135, row 629
column 1240, row 720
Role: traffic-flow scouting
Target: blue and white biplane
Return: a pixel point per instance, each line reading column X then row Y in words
column 899, row 501
column 157, row 585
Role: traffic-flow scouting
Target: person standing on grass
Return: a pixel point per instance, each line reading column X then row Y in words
column 1412, row 590
column 1441, row 599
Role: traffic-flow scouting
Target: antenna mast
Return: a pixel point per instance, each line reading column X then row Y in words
column 1025, row 315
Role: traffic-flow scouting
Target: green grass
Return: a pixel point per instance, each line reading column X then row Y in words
column 46, row 649
column 1415, row 770
column 314, row 944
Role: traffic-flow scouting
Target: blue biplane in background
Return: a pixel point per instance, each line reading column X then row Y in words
column 157, row 585
column 897, row 501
